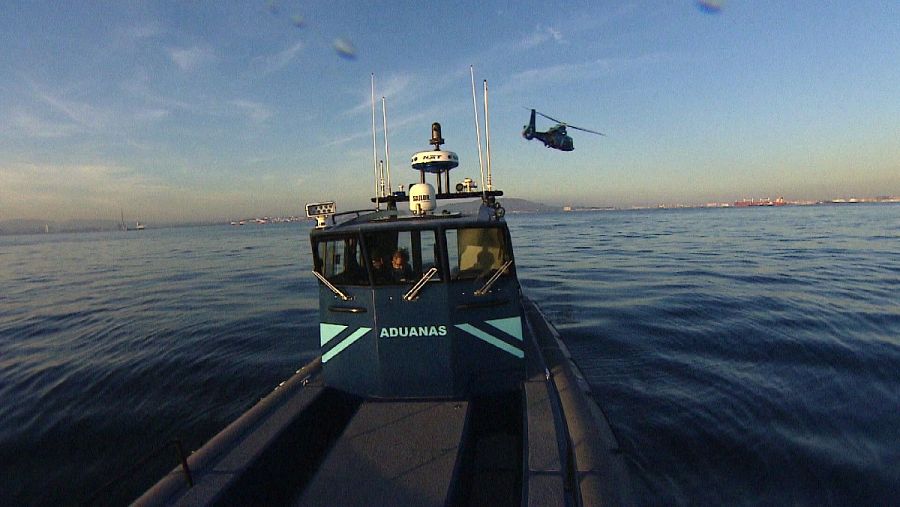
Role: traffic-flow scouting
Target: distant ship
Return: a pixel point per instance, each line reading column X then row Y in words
column 744, row 203
column 138, row 226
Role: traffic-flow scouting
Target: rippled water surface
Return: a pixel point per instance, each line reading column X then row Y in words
column 743, row 356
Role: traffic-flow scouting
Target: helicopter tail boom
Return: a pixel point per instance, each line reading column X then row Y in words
column 528, row 130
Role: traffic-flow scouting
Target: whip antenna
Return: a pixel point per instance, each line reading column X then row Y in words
column 374, row 148
column 387, row 151
column 477, row 129
column 487, row 136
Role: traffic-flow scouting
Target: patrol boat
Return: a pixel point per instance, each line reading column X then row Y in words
column 438, row 383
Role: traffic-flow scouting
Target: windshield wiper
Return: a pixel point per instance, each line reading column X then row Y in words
column 338, row 292
column 490, row 283
column 414, row 291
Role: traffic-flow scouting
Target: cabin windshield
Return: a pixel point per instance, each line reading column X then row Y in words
column 401, row 257
column 340, row 261
column 476, row 252
column 389, row 258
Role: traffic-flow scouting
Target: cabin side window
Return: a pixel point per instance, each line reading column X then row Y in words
column 402, row 257
column 476, row 252
column 340, row 261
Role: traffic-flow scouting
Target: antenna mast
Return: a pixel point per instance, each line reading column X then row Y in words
column 387, row 151
column 374, row 148
column 477, row 129
column 487, row 137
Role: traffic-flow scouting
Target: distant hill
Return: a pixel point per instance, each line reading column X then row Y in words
column 511, row 205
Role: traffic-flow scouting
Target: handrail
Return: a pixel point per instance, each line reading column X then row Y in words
column 414, row 291
column 339, row 292
column 172, row 486
column 347, row 309
column 490, row 283
column 116, row 481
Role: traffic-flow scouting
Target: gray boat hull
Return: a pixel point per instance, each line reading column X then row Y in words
column 546, row 443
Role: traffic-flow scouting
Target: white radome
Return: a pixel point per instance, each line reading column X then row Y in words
column 435, row 161
column 422, row 198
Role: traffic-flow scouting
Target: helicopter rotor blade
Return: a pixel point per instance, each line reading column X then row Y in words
column 567, row 125
column 552, row 119
column 585, row 130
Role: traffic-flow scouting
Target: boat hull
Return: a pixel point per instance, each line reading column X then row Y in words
column 545, row 443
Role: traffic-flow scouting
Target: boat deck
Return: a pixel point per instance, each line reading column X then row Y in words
column 393, row 453
column 305, row 444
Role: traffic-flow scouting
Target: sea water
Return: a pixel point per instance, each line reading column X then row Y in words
column 742, row 356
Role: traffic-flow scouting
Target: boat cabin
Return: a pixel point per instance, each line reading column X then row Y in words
column 424, row 393
column 419, row 307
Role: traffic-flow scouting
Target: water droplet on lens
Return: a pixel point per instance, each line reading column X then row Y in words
column 345, row 48
column 710, row 6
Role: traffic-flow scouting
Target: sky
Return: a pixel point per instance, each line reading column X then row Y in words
column 217, row 110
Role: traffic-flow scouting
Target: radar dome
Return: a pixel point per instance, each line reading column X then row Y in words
column 422, row 198
column 434, row 161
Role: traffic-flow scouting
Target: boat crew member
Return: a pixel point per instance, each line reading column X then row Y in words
column 400, row 270
column 379, row 270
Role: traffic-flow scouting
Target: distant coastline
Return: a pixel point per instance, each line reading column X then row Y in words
column 34, row 226
column 513, row 206
column 780, row 201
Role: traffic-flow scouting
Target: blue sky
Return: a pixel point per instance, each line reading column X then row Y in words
column 187, row 110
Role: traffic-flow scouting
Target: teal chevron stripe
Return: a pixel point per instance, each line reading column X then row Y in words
column 500, row 344
column 346, row 342
column 511, row 326
column 329, row 331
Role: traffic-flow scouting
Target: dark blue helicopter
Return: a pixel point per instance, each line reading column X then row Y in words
column 555, row 137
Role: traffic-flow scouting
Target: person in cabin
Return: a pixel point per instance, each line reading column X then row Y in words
column 400, row 269
column 379, row 270
column 484, row 265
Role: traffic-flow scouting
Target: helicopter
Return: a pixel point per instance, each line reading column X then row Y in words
column 555, row 137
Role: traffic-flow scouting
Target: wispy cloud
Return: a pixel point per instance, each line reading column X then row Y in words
column 393, row 86
column 150, row 114
column 190, row 59
column 541, row 35
column 79, row 191
column 31, row 125
column 269, row 64
column 567, row 72
column 145, row 31
column 138, row 33
column 98, row 178
column 254, row 111
column 91, row 191
column 559, row 72
column 139, row 87
column 54, row 113
column 394, row 124
column 81, row 113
